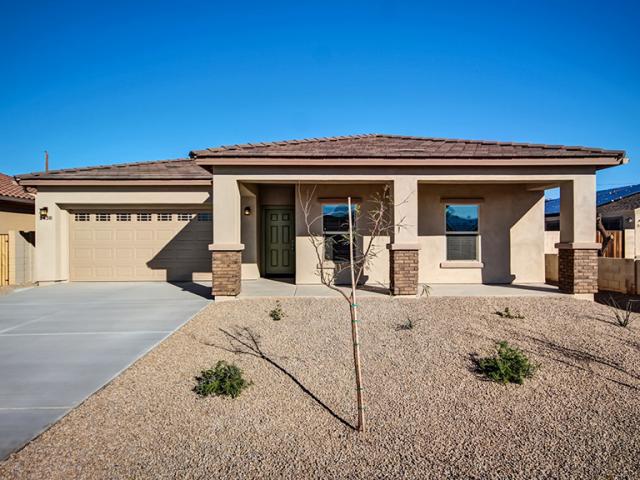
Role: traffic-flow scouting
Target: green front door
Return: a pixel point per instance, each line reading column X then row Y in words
column 279, row 241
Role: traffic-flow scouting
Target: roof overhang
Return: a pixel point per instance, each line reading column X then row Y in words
column 246, row 160
column 110, row 182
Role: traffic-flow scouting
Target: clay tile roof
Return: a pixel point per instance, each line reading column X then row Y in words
column 400, row 146
column 10, row 188
column 180, row 169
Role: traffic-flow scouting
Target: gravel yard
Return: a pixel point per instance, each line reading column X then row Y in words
column 429, row 414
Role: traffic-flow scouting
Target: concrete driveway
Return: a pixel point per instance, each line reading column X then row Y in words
column 60, row 344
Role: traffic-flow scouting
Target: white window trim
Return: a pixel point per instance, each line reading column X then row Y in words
column 477, row 263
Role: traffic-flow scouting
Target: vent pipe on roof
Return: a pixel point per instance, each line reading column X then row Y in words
column 46, row 161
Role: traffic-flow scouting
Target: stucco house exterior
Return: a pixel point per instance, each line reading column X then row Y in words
column 471, row 212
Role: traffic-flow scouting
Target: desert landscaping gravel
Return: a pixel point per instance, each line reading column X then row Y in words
column 429, row 414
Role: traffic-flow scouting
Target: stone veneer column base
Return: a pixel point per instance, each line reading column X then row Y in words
column 578, row 271
column 403, row 272
column 226, row 267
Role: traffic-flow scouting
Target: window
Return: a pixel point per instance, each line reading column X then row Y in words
column 204, row 217
column 103, row 217
column 335, row 228
column 143, row 217
column 123, row 217
column 82, row 217
column 184, row 217
column 612, row 223
column 164, row 217
column 462, row 232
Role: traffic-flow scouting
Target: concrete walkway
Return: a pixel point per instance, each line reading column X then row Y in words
column 60, row 344
column 265, row 287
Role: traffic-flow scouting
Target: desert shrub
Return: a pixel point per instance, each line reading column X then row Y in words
column 509, row 365
column 424, row 290
column 506, row 313
column 277, row 313
column 622, row 317
column 223, row 379
column 408, row 325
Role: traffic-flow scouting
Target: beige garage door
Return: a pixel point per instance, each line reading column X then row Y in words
column 140, row 245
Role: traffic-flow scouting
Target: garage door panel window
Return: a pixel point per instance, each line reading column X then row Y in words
column 103, row 217
column 165, row 217
column 462, row 232
column 123, row 217
column 143, row 217
column 185, row 217
column 205, row 217
column 82, row 217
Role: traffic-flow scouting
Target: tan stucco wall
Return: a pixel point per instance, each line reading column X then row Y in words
column 550, row 240
column 24, row 222
column 511, row 215
column 511, row 229
column 52, row 246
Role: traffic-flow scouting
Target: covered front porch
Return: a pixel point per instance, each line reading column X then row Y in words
column 465, row 235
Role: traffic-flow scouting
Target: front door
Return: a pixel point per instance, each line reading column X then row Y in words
column 279, row 242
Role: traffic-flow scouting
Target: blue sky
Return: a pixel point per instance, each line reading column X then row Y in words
column 98, row 83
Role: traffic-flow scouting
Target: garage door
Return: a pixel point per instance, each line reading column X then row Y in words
column 140, row 245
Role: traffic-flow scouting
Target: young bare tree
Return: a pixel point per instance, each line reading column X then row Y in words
column 361, row 236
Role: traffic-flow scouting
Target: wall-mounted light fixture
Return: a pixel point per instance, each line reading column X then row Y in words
column 44, row 213
column 247, row 211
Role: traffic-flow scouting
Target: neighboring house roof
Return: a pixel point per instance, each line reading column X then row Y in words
column 179, row 169
column 630, row 202
column 608, row 200
column 400, row 146
column 10, row 190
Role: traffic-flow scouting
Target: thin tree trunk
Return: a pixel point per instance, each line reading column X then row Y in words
column 354, row 327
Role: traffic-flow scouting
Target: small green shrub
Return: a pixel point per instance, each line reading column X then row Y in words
column 506, row 313
column 223, row 379
column 510, row 365
column 277, row 313
column 408, row 325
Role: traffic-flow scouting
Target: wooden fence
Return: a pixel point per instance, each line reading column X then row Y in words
column 616, row 246
column 4, row 259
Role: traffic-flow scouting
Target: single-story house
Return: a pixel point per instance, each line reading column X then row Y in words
column 16, row 206
column 471, row 212
column 619, row 209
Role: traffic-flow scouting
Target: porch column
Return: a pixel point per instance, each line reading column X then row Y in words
column 404, row 246
column 578, row 250
column 226, row 250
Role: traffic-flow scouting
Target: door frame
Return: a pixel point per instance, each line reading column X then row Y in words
column 263, row 241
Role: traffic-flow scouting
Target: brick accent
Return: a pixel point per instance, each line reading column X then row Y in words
column 226, row 268
column 578, row 270
column 403, row 272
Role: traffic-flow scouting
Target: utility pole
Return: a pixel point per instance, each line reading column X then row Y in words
column 46, row 161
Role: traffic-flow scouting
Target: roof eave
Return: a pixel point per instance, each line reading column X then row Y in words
column 24, row 201
column 246, row 160
column 92, row 181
